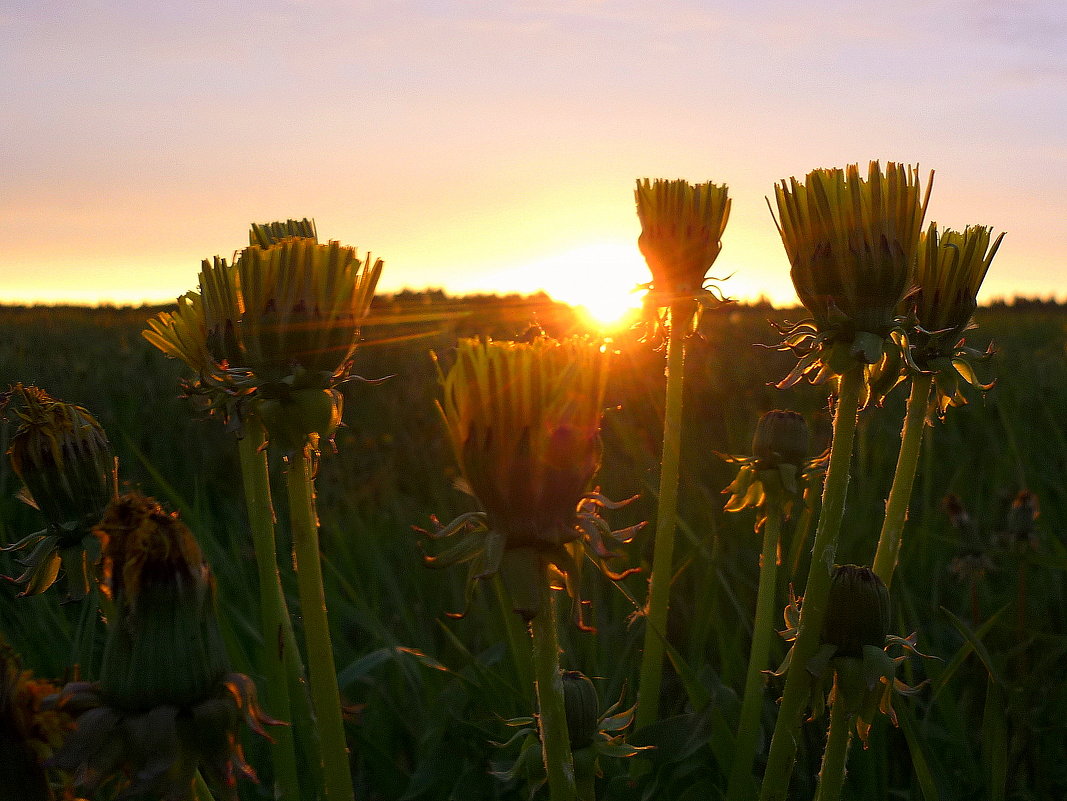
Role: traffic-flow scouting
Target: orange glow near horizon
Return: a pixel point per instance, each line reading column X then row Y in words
column 602, row 279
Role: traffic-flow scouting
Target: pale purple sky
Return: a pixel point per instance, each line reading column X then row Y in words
column 493, row 146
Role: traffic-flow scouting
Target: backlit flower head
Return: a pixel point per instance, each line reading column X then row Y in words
column 64, row 459
column 851, row 244
column 281, row 319
column 681, row 234
column 951, row 266
column 524, row 421
column 166, row 703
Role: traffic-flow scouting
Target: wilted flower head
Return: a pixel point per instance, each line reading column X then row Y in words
column 681, row 234
column 851, row 245
column 950, row 269
column 29, row 731
column 65, row 461
column 166, row 704
column 524, row 421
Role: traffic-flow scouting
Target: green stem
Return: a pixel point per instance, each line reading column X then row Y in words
column 274, row 614
column 838, row 738
column 516, row 637
column 896, row 510
column 659, row 580
column 325, row 696
column 552, row 713
column 740, row 786
column 816, row 592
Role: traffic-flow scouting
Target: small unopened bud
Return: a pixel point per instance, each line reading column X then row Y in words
column 1022, row 516
column 857, row 612
column 583, row 708
column 781, row 437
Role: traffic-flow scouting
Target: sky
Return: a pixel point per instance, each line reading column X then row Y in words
column 493, row 146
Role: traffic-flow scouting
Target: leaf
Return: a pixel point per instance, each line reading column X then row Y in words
column 975, row 642
column 919, row 761
column 994, row 739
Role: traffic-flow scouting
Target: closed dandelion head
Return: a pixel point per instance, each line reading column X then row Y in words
column 852, row 666
column 779, row 468
column 681, row 234
column 951, row 266
column 593, row 733
column 851, row 243
column 166, row 703
column 524, row 421
column 67, row 467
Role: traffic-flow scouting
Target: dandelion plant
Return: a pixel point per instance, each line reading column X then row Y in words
column 681, row 236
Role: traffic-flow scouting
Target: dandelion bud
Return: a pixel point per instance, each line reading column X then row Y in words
column 781, row 438
column 65, row 461
column 583, row 708
column 857, row 612
column 63, row 456
column 1022, row 517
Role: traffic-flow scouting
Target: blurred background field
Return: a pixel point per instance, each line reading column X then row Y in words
column 427, row 693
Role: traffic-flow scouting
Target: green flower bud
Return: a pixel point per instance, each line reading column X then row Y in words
column 583, row 708
column 781, row 438
column 858, row 611
column 63, row 456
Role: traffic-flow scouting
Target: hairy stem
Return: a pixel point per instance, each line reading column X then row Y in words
column 835, row 755
column 325, row 696
column 659, row 580
column 274, row 614
column 816, row 592
column 896, row 510
column 552, row 713
column 740, row 786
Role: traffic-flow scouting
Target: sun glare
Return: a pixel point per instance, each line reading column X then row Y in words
column 599, row 278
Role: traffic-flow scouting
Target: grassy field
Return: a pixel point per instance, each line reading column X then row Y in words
column 428, row 694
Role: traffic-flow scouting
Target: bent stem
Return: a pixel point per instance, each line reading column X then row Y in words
column 552, row 713
column 740, row 786
column 325, row 696
column 274, row 614
column 659, row 580
column 896, row 510
column 838, row 738
column 816, row 592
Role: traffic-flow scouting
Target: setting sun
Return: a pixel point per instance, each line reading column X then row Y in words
column 601, row 278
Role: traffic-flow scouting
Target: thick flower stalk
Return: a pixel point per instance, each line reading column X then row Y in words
column 950, row 269
column 68, row 471
column 770, row 481
column 681, row 236
column 524, row 421
column 167, row 704
column 851, row 244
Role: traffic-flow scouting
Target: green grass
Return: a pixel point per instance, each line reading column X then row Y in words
column 428, row 693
